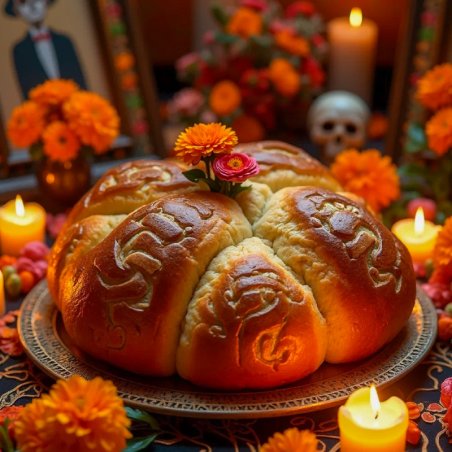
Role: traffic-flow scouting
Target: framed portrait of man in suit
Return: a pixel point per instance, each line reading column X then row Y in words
column 87, row 41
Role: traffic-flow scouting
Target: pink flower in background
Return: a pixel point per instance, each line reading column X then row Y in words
column 235, row 167
column 208, row 116
column 54, row 223
column 278, row 25
column 208, row 37
column 259, row 5
column 438, row 292
column 186, row 102
column 183, row 63
column 140, row 127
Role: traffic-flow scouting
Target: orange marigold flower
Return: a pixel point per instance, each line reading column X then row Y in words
column 26, row 124
column 10, row 342
column 442, row 254
column 129, row 81
column 202, row 140
column 53, row 92
column 11, row 413
column 60, row 142
column 292, row 440
column 368, row 174
column 434, row 89
column 77, row 415
column 93, row 119
column 297, row 45
column 284, row 77
column 245, row 22
column 124, row 61
column 224, row 98
column 248, row 129
column 439, row 131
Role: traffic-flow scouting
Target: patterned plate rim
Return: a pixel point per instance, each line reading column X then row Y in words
column 39, row 334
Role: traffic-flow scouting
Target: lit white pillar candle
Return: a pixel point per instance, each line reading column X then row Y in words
column 352, row 54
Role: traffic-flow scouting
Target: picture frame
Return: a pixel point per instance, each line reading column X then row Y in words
column 425, row 42
column 116, row 67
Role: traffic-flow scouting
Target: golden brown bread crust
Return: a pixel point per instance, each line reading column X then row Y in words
column 73, row 242
column 250, row 323
column 126, row 298
column 283, row 165
column 256, row 318
column 361, row 274
column 131, row 185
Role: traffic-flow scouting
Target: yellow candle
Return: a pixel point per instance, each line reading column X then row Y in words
column 352, row 43
column 2, row 295
column 20, row 224
column 371, row 426
column 418, row 235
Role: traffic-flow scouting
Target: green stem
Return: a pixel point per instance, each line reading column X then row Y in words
column 5, row 440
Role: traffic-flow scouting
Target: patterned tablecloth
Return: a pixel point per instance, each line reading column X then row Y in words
column 21, row 381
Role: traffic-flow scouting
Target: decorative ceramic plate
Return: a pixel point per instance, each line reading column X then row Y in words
column 47, row 344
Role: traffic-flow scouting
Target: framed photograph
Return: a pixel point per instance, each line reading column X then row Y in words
column 92, row 42
column 426, row 41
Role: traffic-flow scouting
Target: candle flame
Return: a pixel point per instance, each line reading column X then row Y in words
column 356, row 17
column 374, row 401
column 419, row 221
column 20, row 209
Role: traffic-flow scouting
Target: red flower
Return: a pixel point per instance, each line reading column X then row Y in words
column 446, row 392
column 315, row 72
column 258, row 5
column 296, row 8
column 235, row 167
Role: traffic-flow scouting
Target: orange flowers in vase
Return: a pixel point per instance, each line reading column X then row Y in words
column 59, row 120
column 60, row 124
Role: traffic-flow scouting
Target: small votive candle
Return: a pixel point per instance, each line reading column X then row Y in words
column 365, row 424
column 418, row 235
column 20, row 224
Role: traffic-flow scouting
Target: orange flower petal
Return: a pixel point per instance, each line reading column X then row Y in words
column 225, row 98
column 434, row 89
column 369, row 175
column 26, row 124
column 60, row 142
column 202, row 140
column 293, row 440
column 76, row 415
column 245, row 22
column 93, row 120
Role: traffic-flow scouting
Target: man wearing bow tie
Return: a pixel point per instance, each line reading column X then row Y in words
column 42, row 54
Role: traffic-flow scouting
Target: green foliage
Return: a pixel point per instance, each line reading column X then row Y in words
column 6, row 444
column 195, row 175
column 219, row 14
column 141, row 442
column 36, row 151
column 416, row 140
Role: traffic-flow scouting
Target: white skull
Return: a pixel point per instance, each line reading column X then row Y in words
column 337, row 120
